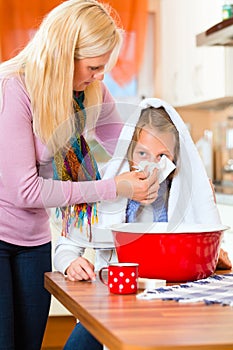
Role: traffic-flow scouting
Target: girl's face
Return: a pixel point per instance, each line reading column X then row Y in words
column 87, row 70
column 152, row 145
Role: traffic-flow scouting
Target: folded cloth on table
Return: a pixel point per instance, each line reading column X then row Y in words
column 217, row 289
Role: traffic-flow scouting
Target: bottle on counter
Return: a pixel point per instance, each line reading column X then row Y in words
column 227, row 9
column 228, row 167
column 205, row 149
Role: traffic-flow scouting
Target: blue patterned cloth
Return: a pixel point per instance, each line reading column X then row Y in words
column 217, row 289
column 159, row 206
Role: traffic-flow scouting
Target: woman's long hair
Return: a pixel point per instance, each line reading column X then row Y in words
column 75, row 29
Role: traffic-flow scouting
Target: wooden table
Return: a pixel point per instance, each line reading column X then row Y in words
column 123, row 322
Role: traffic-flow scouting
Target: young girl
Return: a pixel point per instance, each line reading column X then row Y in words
column 154, row 134
column 155, row 137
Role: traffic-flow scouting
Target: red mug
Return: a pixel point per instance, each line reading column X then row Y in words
column 122, row 278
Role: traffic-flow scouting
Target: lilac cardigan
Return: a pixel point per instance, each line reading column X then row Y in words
column 27, row 189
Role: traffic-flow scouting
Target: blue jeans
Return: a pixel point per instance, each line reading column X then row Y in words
column 81, row 339
column 24, row 302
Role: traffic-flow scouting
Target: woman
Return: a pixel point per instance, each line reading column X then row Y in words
column 51, row 94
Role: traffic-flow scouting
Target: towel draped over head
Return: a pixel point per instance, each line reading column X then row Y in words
column 191, row 198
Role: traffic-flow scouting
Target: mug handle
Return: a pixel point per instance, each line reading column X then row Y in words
column 105, row 268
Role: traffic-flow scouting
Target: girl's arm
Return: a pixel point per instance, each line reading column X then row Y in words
column 224, row 262
column 69, row 260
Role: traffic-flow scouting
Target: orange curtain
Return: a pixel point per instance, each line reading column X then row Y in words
column 133, row 15
column 18, row 21
column 20, row 18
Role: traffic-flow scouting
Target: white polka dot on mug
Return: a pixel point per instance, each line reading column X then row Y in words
column 122, row 278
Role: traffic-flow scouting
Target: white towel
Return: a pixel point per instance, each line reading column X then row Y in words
column 191, row 198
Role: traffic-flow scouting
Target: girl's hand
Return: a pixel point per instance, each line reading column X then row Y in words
column 80, row 269
column 224, row 262
column 140, row 186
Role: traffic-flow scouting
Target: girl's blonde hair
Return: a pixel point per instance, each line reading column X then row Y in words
column 155, row 119
column 75, row 29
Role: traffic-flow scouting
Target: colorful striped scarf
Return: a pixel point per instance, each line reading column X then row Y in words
column 76, row 163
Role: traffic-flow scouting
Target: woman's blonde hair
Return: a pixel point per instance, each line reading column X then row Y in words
column 154, row 119
column 75, row 29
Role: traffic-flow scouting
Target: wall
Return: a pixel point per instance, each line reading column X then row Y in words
column 200, row 119
column 154, row 8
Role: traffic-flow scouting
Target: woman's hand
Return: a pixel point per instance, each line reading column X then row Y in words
column 140, row 186
column 224, row 262
column 80, row 269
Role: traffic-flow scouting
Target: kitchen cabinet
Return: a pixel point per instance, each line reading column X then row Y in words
column 219, row 34
column 192, row 74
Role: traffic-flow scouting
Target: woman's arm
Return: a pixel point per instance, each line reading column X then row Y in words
column 20, row 154
column 21, row 183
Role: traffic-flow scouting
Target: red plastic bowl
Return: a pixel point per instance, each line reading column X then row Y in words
column 185, row 253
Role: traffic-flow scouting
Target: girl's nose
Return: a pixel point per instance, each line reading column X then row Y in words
column 153, row 159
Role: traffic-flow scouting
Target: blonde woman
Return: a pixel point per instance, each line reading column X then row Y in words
column 51, row 93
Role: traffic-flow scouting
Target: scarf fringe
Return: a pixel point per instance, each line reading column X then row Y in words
column 81, row 215
column 76, row 163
